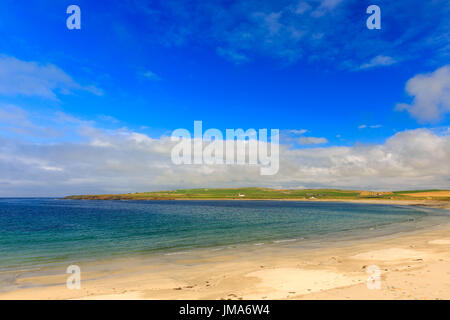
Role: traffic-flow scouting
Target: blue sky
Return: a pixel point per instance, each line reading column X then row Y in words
column 150, row 67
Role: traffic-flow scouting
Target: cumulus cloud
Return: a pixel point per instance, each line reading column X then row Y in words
column 18, row 77
column 431, row 92
column 311, row 140
column 122, row 160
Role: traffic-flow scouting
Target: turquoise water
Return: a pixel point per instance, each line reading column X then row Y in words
column 42, row 232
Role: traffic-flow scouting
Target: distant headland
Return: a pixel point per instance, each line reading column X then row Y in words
column 273, row 194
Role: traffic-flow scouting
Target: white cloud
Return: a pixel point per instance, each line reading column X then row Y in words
column 151, row 76
column 121, row 160
column 19, row 77
column 317, row 31
column 297, row 131
column 325, row 6
column 378, row 61
column 302, row 7
column 364, row 126
column 311, row 140
column 237, row 58
column 108, row 118
column 15, row 121
column 431, row 92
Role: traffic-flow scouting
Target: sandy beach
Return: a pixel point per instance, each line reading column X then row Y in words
column 411, row 266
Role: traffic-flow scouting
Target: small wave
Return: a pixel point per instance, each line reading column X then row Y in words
column 259, row 244
column 286, row 240
column 175, row 253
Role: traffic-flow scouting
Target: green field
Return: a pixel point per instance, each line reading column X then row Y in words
column 261, row 193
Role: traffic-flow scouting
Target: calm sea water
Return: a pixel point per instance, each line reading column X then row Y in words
column 40, row 232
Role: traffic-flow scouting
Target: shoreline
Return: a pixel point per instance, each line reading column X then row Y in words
column 272, row 272
column 440, row 204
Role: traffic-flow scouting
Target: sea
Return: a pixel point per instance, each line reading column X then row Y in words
column 43, row 232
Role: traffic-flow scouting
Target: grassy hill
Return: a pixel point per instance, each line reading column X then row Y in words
column 265, row 193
